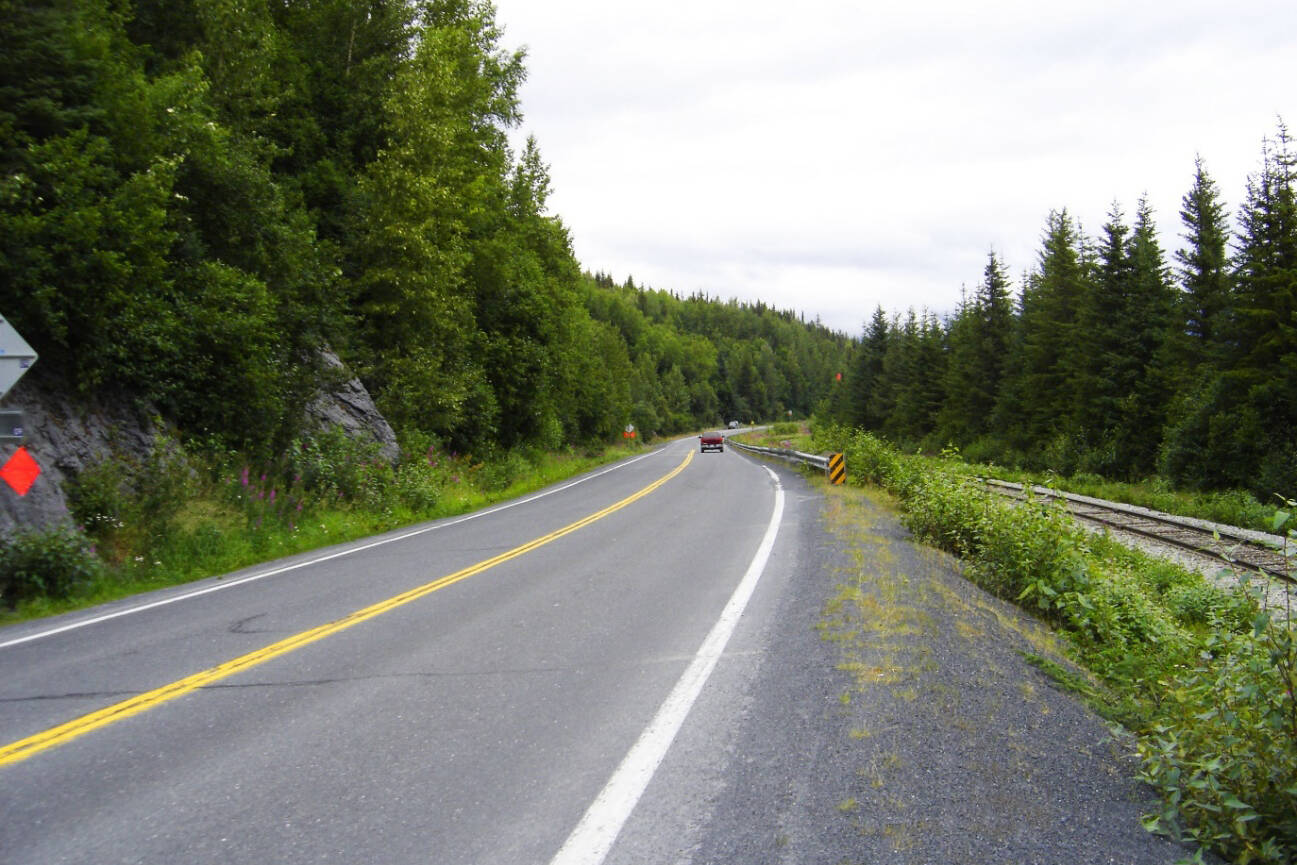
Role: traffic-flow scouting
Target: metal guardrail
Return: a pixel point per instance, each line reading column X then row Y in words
column 820, row 462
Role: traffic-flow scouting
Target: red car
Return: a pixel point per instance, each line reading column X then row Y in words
column 712, row 441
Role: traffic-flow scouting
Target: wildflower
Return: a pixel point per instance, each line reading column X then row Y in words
column 244, row 476
column 272, row 495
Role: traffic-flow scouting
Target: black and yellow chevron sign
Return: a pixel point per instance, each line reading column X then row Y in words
column 837, row 469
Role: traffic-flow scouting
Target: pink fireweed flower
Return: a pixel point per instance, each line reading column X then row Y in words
column 244, row 477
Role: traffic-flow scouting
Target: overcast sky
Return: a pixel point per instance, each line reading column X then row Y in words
column 829, row 157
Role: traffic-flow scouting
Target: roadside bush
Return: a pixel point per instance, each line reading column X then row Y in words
column 499, row 474
column 1032, row 553
column 332, row 466
column 1224, row 756
column 120, row 501
column 49, row 563
column 98, row 499
column 418, row 486
column 1202, row 604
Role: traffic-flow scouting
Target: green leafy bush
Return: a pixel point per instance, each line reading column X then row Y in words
column 1224, row 756
column 331, row 466
column 121, row 500
column 49, row 563
column 98, row 499
column 499, row 474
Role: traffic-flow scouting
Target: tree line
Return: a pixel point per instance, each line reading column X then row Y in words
column 1111, row 359
column 199, row 197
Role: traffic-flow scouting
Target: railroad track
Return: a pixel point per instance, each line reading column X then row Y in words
column 1254, row 551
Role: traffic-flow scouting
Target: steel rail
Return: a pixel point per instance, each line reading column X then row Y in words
column 1240, row 547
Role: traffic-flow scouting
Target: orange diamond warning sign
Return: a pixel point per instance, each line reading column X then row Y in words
column 20, row 471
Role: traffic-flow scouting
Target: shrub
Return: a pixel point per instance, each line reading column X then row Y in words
column 330, row 465
column 1224, row 757
column 119, row 498
column 99, row 500
column 49, row 563
column 418, row 485
column 499, row 474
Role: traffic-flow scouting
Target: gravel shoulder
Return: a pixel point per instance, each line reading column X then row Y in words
column 895, row 719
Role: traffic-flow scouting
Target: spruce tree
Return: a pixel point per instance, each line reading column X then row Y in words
column 1145, row 386
column 869, row 408
column 1051, row 352
column 1263, row 334
column 979, row 339
column 1206, row 287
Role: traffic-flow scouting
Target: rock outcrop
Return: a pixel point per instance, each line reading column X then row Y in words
column 67, row 433
column 350, row 406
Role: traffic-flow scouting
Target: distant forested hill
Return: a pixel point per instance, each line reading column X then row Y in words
column 197, row 196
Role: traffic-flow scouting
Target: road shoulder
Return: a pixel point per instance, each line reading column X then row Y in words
column 894, row 717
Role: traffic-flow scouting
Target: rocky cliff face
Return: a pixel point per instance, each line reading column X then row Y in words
column 67, row 433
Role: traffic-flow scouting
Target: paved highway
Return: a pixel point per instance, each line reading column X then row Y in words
column 498, row 688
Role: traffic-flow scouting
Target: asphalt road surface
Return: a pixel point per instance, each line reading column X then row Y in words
column 499, row 688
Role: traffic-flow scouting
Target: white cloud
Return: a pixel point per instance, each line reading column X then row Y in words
column 830, row 157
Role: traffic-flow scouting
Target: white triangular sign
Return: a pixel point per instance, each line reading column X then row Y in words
column 16, row 356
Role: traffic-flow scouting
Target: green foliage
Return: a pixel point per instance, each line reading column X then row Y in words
column 501, row 473
column 50, row 563
column 1223, row 757
column 119, row 501
column 198, row 197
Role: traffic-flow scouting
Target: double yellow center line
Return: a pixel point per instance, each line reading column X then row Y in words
column 32, row 745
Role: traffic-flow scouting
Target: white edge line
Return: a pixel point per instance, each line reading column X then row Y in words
column 72, row 626
column 594, row 836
